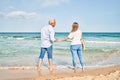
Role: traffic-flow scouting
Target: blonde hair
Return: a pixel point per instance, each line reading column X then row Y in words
column 75, row 27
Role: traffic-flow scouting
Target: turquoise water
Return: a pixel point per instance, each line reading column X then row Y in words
column 22, row 49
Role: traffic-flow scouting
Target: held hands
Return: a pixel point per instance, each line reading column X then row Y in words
column 58, row 40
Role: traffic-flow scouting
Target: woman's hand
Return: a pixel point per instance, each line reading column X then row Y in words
column 58, row 40
column 61, row 40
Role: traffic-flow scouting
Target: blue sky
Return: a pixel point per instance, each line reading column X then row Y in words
column 32, row 15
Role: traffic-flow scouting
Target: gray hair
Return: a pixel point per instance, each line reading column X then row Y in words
column 51, row 21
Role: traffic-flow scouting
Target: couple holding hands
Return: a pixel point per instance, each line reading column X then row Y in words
column 47, row 39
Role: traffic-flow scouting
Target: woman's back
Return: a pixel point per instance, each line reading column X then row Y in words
column 76, row 37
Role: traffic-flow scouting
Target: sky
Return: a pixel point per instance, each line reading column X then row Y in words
column 32, row 15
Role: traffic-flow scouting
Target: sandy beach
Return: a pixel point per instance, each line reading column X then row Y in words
column 105, row 73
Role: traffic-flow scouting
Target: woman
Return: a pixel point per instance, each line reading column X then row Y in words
column 76, row 46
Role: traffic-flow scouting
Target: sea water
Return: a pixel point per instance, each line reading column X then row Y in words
column 23, row 49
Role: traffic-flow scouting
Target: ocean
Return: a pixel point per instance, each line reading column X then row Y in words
column 23, row 49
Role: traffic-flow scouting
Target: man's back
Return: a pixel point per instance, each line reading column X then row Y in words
column 47, row 34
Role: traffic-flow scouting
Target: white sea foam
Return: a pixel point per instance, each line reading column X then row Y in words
column 20, row 38
column 18, row 68
column 1, row 36
column 12, row 38
column 103, row 42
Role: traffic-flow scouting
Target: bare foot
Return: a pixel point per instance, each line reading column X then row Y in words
column 74, row 70
column 39, row 73
column 82, row 69
column 51, row 71
column 38, row 68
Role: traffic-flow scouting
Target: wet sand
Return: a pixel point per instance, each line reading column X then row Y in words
column 106, row 73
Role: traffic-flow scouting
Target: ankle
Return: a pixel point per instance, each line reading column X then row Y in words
column 75, row 70
column 82, row 69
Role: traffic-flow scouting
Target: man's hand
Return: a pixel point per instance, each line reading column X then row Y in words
column 58, row 40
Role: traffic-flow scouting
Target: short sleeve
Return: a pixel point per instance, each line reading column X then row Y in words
column 70, row 35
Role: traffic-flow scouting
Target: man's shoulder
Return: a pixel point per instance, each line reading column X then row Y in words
column 50, row 28
column 47, row 28
column 44, row 27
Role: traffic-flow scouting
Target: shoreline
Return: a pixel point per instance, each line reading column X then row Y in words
column 62, row 74
column 87, row 75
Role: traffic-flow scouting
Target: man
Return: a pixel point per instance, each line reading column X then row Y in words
column 47, row 39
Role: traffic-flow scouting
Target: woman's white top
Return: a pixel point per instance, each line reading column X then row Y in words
column 75, row 37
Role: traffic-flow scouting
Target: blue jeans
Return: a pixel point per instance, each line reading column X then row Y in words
column 77, row 50
column 49, row 53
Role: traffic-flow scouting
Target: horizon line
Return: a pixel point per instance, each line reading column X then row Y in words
column 59, row 32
